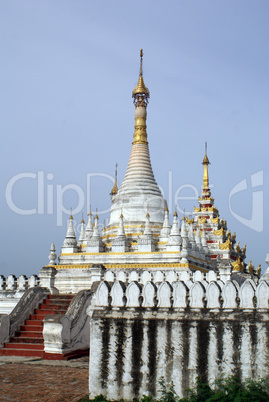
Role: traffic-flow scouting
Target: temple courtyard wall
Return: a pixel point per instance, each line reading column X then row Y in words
column 141, row 333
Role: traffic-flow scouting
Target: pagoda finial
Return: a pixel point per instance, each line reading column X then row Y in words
column 141, row 92
column 115, row 187
column 205, row 163
column 71, row 216
column 141, row 63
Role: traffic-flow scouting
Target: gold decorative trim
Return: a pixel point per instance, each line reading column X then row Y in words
column 133, row 226
column 69, row 266
column 132, row 266
column 189, row 221
column 238, row 266
column 202, row 220
column 215, row 220
column 220, row 232
column 225, row 246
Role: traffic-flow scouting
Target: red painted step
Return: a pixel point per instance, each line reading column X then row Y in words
column 28, row 341
column 24, row 346
column 29, row 334
column 21, row 352
column 32, row 328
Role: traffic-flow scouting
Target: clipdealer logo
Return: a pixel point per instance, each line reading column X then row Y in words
column 50, row 196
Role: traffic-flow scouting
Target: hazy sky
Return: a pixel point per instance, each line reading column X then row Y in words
column 67, row 72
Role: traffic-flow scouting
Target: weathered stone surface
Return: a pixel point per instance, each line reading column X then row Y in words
column 213, row 293
column 133, row 293
column 204, row 332
column 197, row 296
column 118, row 294
column 180, row 293
column 164, row 295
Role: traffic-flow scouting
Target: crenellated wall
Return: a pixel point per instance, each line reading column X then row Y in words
column 12, row 289
column 140, row 332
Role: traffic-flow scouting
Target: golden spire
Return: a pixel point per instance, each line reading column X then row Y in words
column 141, row 87
column 205, row 163
column 82, row 220
column 115, row 187
column 90, row 213
column 71, row 216
column 140, row 96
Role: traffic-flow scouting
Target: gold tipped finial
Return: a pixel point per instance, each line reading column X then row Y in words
column 259, row 270
column 71, row 216
column 90, row 213
column 141, row 87
column 115, row 189
column 140, row 96
column 250, row 268
column 96, row 216
column 82, row 220
column 175, row 214
column 205, row 163
column 166, row 207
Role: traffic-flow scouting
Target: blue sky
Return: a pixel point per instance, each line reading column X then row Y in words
column 67, row 72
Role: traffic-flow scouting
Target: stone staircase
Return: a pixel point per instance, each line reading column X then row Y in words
column 28, row 341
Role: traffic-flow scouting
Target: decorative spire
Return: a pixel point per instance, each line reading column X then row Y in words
column 147, row 230
column 52, row 255
column 141, row 88
column 175, row 228
column 166, row 229
column 184, row 232
column 139, row 186
column 89, row 228
column 70, row 238
column 205, row 163
column 82, row 232
column 96, row 232
column 115, row 187
column 141, row 96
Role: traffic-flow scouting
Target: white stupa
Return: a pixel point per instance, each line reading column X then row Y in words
column 139, row 234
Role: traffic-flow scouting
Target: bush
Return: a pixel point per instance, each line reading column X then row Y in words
column 230, row 389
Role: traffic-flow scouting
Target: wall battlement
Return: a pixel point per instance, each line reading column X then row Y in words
column 142, row 332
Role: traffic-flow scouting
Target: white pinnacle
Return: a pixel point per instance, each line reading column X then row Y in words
column 89, row 228
column 70, row 238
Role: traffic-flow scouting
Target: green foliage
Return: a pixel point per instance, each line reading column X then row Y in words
column 230, row 389
column 146, row 398
column 167, row 395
